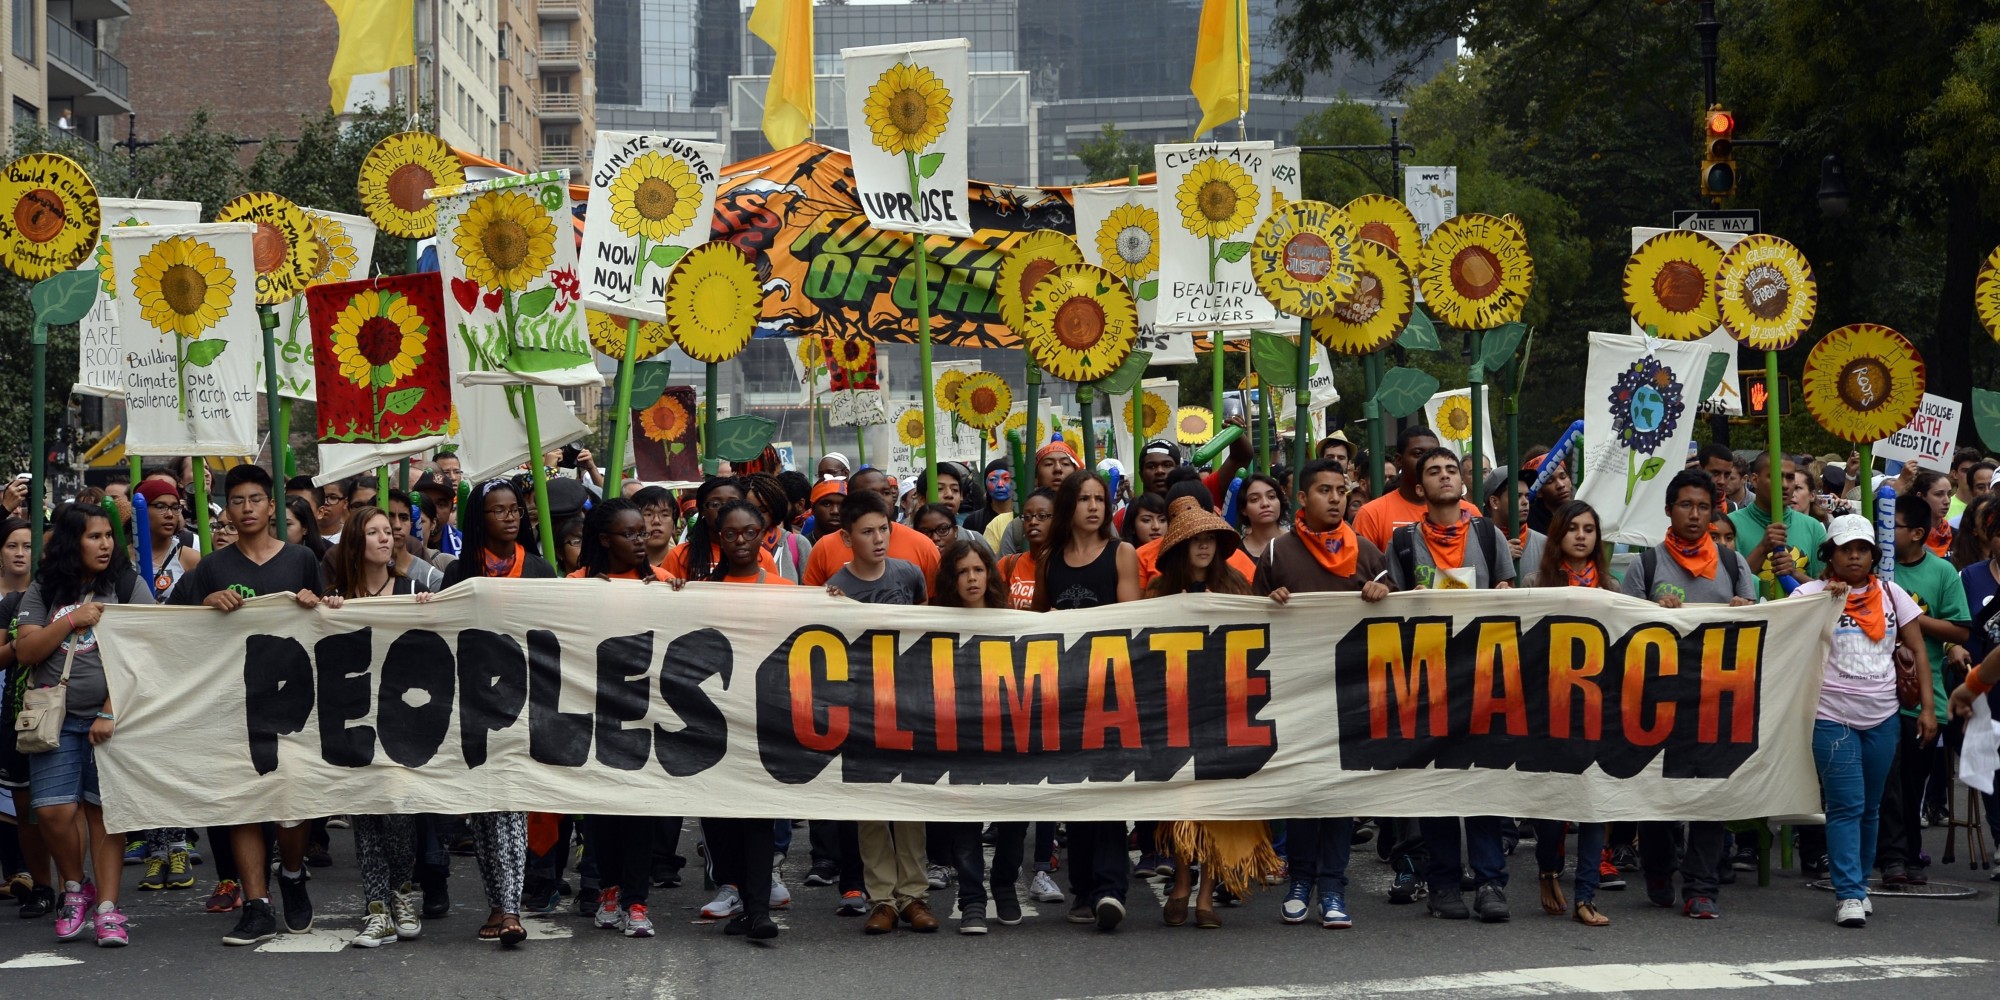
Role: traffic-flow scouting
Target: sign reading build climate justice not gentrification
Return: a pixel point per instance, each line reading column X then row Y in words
column 616, row 698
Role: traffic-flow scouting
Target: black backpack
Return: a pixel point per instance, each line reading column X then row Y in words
column 1403, row 548
column 1649, row 563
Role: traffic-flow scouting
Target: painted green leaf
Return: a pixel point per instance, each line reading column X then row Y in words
column 203, row 353
column 1233, row 252
column 403, row 400
column 1149, row 290
column 928, row 164
column 536, row 360
column 535, row 303
column 1420, row 334
column 666, row 254
column 1986, row 417
column 741, row 438
column 64, row 298
column 649, row 380
column 1120, row 382
column 1275, row 358
column 1651, row 469
column 1405, row 391
column 1711, row 379
column 1499, row 344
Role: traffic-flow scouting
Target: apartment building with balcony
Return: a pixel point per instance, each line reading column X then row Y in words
column 60, row 70
column 520, row 93
column 566, row 58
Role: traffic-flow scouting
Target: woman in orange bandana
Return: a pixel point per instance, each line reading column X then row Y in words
column 1855, row 733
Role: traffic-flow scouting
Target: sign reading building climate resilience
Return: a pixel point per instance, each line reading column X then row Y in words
column 188, row 320
column 576, row 696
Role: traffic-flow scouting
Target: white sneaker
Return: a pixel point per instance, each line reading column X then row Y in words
column 727, row 903
column 781, row 897
column 406, row 912
column 608, row 915
column 1044, row 889
column 938, row 876
column 377, row 930
column 1851, row 913
column 1868, row 905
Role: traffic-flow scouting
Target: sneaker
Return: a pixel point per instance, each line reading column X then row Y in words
column 637, row 923
column 540, row 896
column 297, row 903
column 972, row 920
column 1867, row 906
column 228, row 896
column 1701, row 908
column 1491, row 902
column 180, row 869
column 1007, row 909
column 1109, row 911
column 1407, row 888
column 1626, row 857
column 1919, row 875
column 1816, row 866
column 136, row 852
column 1660, row 891
column 1447, row 906
column 1148, row 866
column 1333, row 912
column 852, row 904
column 317, row 856
column 337, row 823
column 155, row 877
column 1851, row 913
column 607, row 915
column 727, row 903
column 41, row 902
column 1082, row 913
column 1608, row 875
column 437, row 896
column 1297, row 903
column 406, row 912
column 1745, row 858
column 938, row 876
column 823, row 873
column 586, row 900
column 72, row 916
column 377, row 929
column 111, row 927
column 781, row 897
column 256, row 926
column 1044, row 889
column 1894, row 873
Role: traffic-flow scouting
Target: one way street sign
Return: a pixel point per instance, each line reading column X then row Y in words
column 1743, row 221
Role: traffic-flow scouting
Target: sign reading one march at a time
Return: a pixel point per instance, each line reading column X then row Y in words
column 616, row 698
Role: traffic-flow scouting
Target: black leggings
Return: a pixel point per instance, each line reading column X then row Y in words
column 739, row 854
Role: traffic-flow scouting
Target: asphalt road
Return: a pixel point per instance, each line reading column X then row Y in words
column 1778, row 941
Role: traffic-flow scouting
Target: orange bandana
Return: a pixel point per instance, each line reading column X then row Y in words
column 1587, row 578
column 1446, row 542
column 509, row 570
column 1697, row 558
column 1866, row 609
column 1336, row 550
column 1939, row 540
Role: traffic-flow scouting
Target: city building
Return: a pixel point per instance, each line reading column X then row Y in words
column 566, row 77
column 519, row 94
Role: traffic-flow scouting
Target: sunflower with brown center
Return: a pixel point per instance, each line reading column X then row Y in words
column 1863, row 382
column 1031, row 260
column 287, row 250
column 1082, row 323
column 1376, row 308
column 1765, row 293
column 984, row 400
column 394, row 176
column 506, row 240
column 1669, row 284
column 1477, row 272
column 907, row 109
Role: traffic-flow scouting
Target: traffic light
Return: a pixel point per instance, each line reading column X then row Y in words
column 1718, row 160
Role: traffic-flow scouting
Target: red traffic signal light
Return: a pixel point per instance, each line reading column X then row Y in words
column 1718, row 162
column 1721, row 123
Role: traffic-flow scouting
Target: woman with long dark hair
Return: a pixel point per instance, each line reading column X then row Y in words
column 1263, row 505
column 1145, row 519
column 700, row 557
column 301, row 526
column 83, row 569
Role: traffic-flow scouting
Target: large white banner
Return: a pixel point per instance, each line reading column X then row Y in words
column 652, row 198
column 1638, row 414
column 616, row 698
column 907, row 109
column 347, row 250
column 187, row 316
column 100, row 364
column 1118, row 228
column 1212, row 196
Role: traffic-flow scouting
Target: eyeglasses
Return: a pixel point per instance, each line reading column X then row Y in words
column 249, row 501
column 332, row 498
column 1037, row 517
column 630, row 536
column 510, row 513
column 171, row 508
column 738, row 534
column 943, row 530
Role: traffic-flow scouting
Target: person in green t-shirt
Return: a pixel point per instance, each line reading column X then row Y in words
column 1939, row 592
column 1788, row 549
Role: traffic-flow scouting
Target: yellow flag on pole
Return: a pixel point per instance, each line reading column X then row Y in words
column 787, row 26
column 1221, row 83
column 375, row 35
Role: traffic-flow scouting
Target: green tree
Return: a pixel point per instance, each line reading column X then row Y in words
column 1113, row 154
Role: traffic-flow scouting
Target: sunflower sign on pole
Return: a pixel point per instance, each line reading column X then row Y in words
column 1211, row 197
column 50, row 219
column 1031, row 260
column 651, row 200
column 983, row 403
column 1863, row 383
column 1476, row 276
column 100, row 369
column 381, row 351
column 1081, row 325
column 1303, row 261
column 712, row 304
column 1638, row 398
column 1376, row 311
column 911, row 172
column 346, row 244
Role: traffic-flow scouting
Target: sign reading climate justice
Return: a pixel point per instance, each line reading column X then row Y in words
column 617, row 698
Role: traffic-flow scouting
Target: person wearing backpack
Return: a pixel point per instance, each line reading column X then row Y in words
column 1688, row 568
column 1450, row 550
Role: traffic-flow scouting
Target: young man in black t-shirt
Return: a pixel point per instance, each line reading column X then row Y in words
column 259, row 563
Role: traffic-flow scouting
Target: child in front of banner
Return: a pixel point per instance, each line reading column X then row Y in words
column 892, row 852
column 1322, row 553
column 1447, row 549
column 1688, row 568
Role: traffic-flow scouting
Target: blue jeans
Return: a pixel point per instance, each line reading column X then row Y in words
column 1316, row 851
column 1589, row 852
column 1853, row 768
column 1482, row 852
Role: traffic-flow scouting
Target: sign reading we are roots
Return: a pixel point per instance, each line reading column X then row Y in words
column 651, row 201
column 552, row 695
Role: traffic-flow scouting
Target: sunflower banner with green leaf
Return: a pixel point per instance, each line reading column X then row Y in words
column 511, row 287
column 1119, row 231
column 1211, row 198
column 907, row 104
column 187, row 319
column 651, row 200
column 382, row 358
column 100, row 363
column 346, row 244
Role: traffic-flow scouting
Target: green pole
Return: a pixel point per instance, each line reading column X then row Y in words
column 267, row 318
column 38, row 442
column 919, row 241
column 1513, row 382
column 1031, row 434
column 402, row 477
column 1086, row 399
column 283, row 437
column 132, row 470
column 1302, row 398
column 621, row 421
column 1267, row 431
column 382, row 486
column 1139, row 390
column 117, row 525
column 709, row 410
column 543, row 524
column 1777, row 456
column 1476, row 390
column 1867, row 473
column 1371, row 411
column 198, row 470
column 1215, row 342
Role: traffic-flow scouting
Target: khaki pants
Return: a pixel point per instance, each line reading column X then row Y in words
column 892, row 862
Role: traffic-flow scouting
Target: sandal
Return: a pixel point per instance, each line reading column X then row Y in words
column 490, row 930
column 1175, row 912
column 511, row 931
column 1206, row 919
column 1553, row 902
column 1587, row 915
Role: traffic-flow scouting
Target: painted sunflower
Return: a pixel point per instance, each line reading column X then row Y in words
column 713, row 300
column 1477, row 272
column 812, row 353
column 1016, row 423
column 1765, row 293
column 1217, row 199
column 1986, row 294
column 1670, row 284
column 984, row 400
column 949, row 388
column 1082, row 323
column 506, row 240
column 607, row 334
column 1155, row 423
column 1863, row 382
column 183, row 287
column 1376, row 310
column 665, row 420
column 1387, row 221
column 287, row 255
column 906, row 109
column 655, row 197
column 1031, row 260
column 378, row 338
column 910, row 427
column 1128, row 242
column 1302, row 257
column 107, row 275
column 49, row 215
column 1454, row 421
column 395, row 175
column 337, row 255
column 1194, row 425
column 851, row 354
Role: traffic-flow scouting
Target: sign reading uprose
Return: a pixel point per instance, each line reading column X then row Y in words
column 788, row 702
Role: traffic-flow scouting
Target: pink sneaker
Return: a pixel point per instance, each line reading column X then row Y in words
column 72, row 916
column 111, row 929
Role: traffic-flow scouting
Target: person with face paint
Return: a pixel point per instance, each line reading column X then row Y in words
column 999, row 506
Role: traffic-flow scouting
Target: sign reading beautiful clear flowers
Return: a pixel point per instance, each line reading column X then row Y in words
column 651, row 200
column 1211, row 197
column 906, row 111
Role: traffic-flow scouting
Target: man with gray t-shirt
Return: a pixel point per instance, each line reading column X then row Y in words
column 1688, row 568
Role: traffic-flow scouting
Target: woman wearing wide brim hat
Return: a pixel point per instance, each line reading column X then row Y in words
column 1194, row 558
